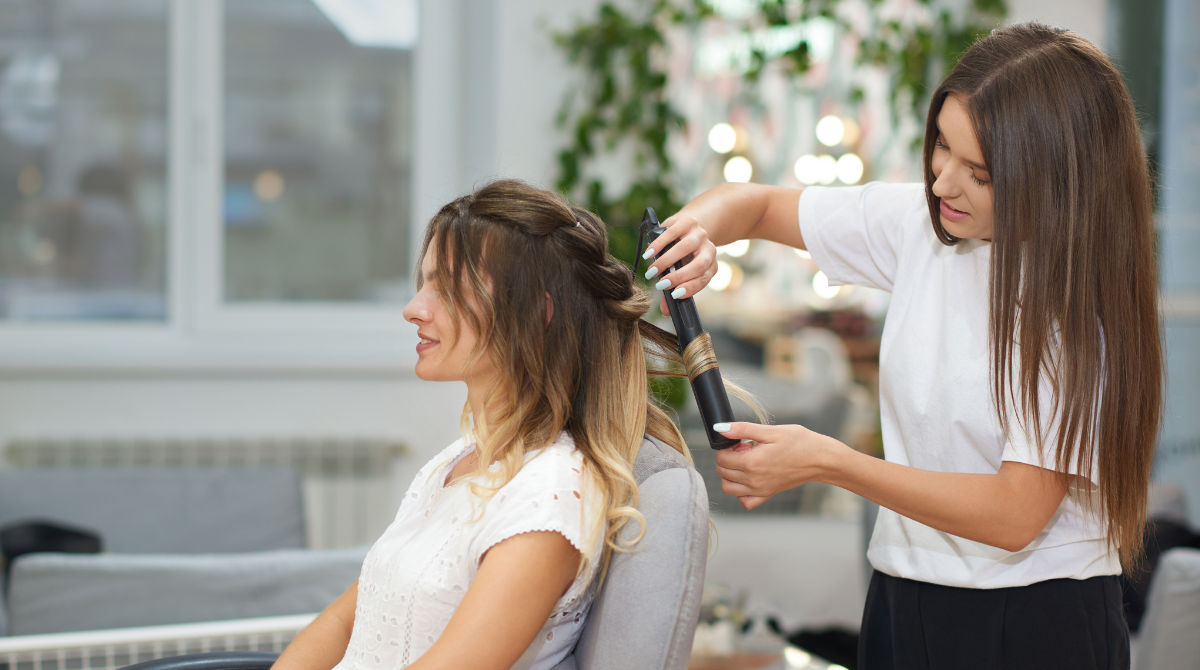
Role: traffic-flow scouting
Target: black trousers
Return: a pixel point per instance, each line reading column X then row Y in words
column 1059, row 623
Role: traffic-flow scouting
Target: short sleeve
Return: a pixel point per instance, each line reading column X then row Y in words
column 856, row 233
column 1020, row 445
column 548, row 494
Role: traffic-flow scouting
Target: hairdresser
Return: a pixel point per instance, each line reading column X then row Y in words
column 1020, row 366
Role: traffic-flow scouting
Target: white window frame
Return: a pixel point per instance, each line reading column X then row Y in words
column 201, row 331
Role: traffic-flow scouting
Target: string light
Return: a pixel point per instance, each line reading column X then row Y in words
column 830, row 131
column 722, row 138
column 738, row 169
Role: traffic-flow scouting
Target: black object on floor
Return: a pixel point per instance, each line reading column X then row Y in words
column 217, row 660
column 835, row 645
column 34, row 536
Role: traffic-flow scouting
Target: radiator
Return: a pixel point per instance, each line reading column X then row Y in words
column 112, row 649
column 349, row 493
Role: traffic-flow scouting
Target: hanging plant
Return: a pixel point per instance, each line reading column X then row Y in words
column 621, row 108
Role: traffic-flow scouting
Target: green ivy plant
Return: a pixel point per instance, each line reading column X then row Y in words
column 622, row 105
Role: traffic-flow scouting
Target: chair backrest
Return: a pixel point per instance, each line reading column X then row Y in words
column 646, row 611
column 1168, row 633
column 163, row 509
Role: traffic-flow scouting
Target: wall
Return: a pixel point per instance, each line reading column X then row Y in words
column 1179, row 451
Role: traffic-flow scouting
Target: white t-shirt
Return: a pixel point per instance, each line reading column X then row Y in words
column 417, row 573
column 935, row 386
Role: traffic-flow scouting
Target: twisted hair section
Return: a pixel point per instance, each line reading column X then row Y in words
column 561, row 320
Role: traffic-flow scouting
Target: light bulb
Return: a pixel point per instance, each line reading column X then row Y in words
column 722, row 138
column 808, row 169
column 830, row 130
column 735, row 249
column 849, row 169
column 738, row 169
column 826, row 169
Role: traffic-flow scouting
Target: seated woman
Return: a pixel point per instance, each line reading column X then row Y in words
column 501, row 540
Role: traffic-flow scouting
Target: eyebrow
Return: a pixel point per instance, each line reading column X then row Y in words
column 968, row 162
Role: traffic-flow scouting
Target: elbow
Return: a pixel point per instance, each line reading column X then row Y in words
column 1017, row 539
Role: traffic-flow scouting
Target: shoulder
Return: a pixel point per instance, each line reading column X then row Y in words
column 558, row 466
column 905, row 200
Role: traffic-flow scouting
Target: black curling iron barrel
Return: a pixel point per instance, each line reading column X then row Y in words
column 694, row 344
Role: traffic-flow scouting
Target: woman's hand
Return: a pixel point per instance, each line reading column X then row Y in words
column 692, row 246
column 1006, row 509
column 721, row 215
column 779, row 458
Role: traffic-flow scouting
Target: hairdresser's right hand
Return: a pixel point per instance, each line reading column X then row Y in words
column 698, row 252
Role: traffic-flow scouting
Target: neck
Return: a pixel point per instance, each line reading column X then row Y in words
column 476, row 394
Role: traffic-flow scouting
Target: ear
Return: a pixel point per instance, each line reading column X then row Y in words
column 549, row 309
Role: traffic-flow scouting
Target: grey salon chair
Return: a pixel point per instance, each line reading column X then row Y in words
column 646, row 612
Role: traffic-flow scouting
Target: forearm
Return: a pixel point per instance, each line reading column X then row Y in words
column 732, row 212
column 1000, row 510
column 322, row 644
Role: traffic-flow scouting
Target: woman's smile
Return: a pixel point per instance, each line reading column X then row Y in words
column 426, row 343
column 951, row 213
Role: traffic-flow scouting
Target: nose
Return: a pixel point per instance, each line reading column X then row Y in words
column 415, row 313
column 943, row 186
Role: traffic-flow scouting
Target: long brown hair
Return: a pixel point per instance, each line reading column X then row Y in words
column 500, row 251
column 1073, row 276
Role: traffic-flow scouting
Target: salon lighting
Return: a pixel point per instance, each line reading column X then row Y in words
column 851, row 132
column 803, row 254
column 795, row 657
column 826, row 169
column 849, row 169
column 822, row 288
column 735, row 249
column 722, row 138
column 720, row 281
column 738, row 169
column 268, row 185
column 808, row 169
column 830, row 131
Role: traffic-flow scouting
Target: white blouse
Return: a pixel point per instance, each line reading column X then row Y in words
column 420, row 568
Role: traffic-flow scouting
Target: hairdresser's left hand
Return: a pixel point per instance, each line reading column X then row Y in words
column 780, row 458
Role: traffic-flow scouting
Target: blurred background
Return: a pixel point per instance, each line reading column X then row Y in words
column 209, row 213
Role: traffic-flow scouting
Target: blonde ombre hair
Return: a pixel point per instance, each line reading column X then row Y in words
column 499, row 252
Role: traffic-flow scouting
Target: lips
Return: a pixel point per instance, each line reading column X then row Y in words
column 951, row 213
column 426, row 343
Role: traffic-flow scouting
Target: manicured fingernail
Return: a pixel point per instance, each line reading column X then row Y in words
column 678, row 293
column 722, row 427
column 649, row 252
column 663, row 285
column 651, row 272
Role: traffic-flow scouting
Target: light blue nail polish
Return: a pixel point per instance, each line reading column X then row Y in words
column 663, row 285
column 651, row 272
column 678, row 293
column 722, row 427
column 649, row 253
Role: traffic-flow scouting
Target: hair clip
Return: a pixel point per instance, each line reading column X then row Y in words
column 577, row 223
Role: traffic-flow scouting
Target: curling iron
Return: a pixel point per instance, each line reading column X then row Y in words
column 694, row 344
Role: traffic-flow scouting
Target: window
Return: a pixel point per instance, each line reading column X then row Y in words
column 196, row 183
column 317, row 148
column 83, row 157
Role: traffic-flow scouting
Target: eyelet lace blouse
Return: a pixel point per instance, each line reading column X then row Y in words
column 420, row 568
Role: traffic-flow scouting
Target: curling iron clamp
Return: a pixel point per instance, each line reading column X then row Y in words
column 694, row 344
